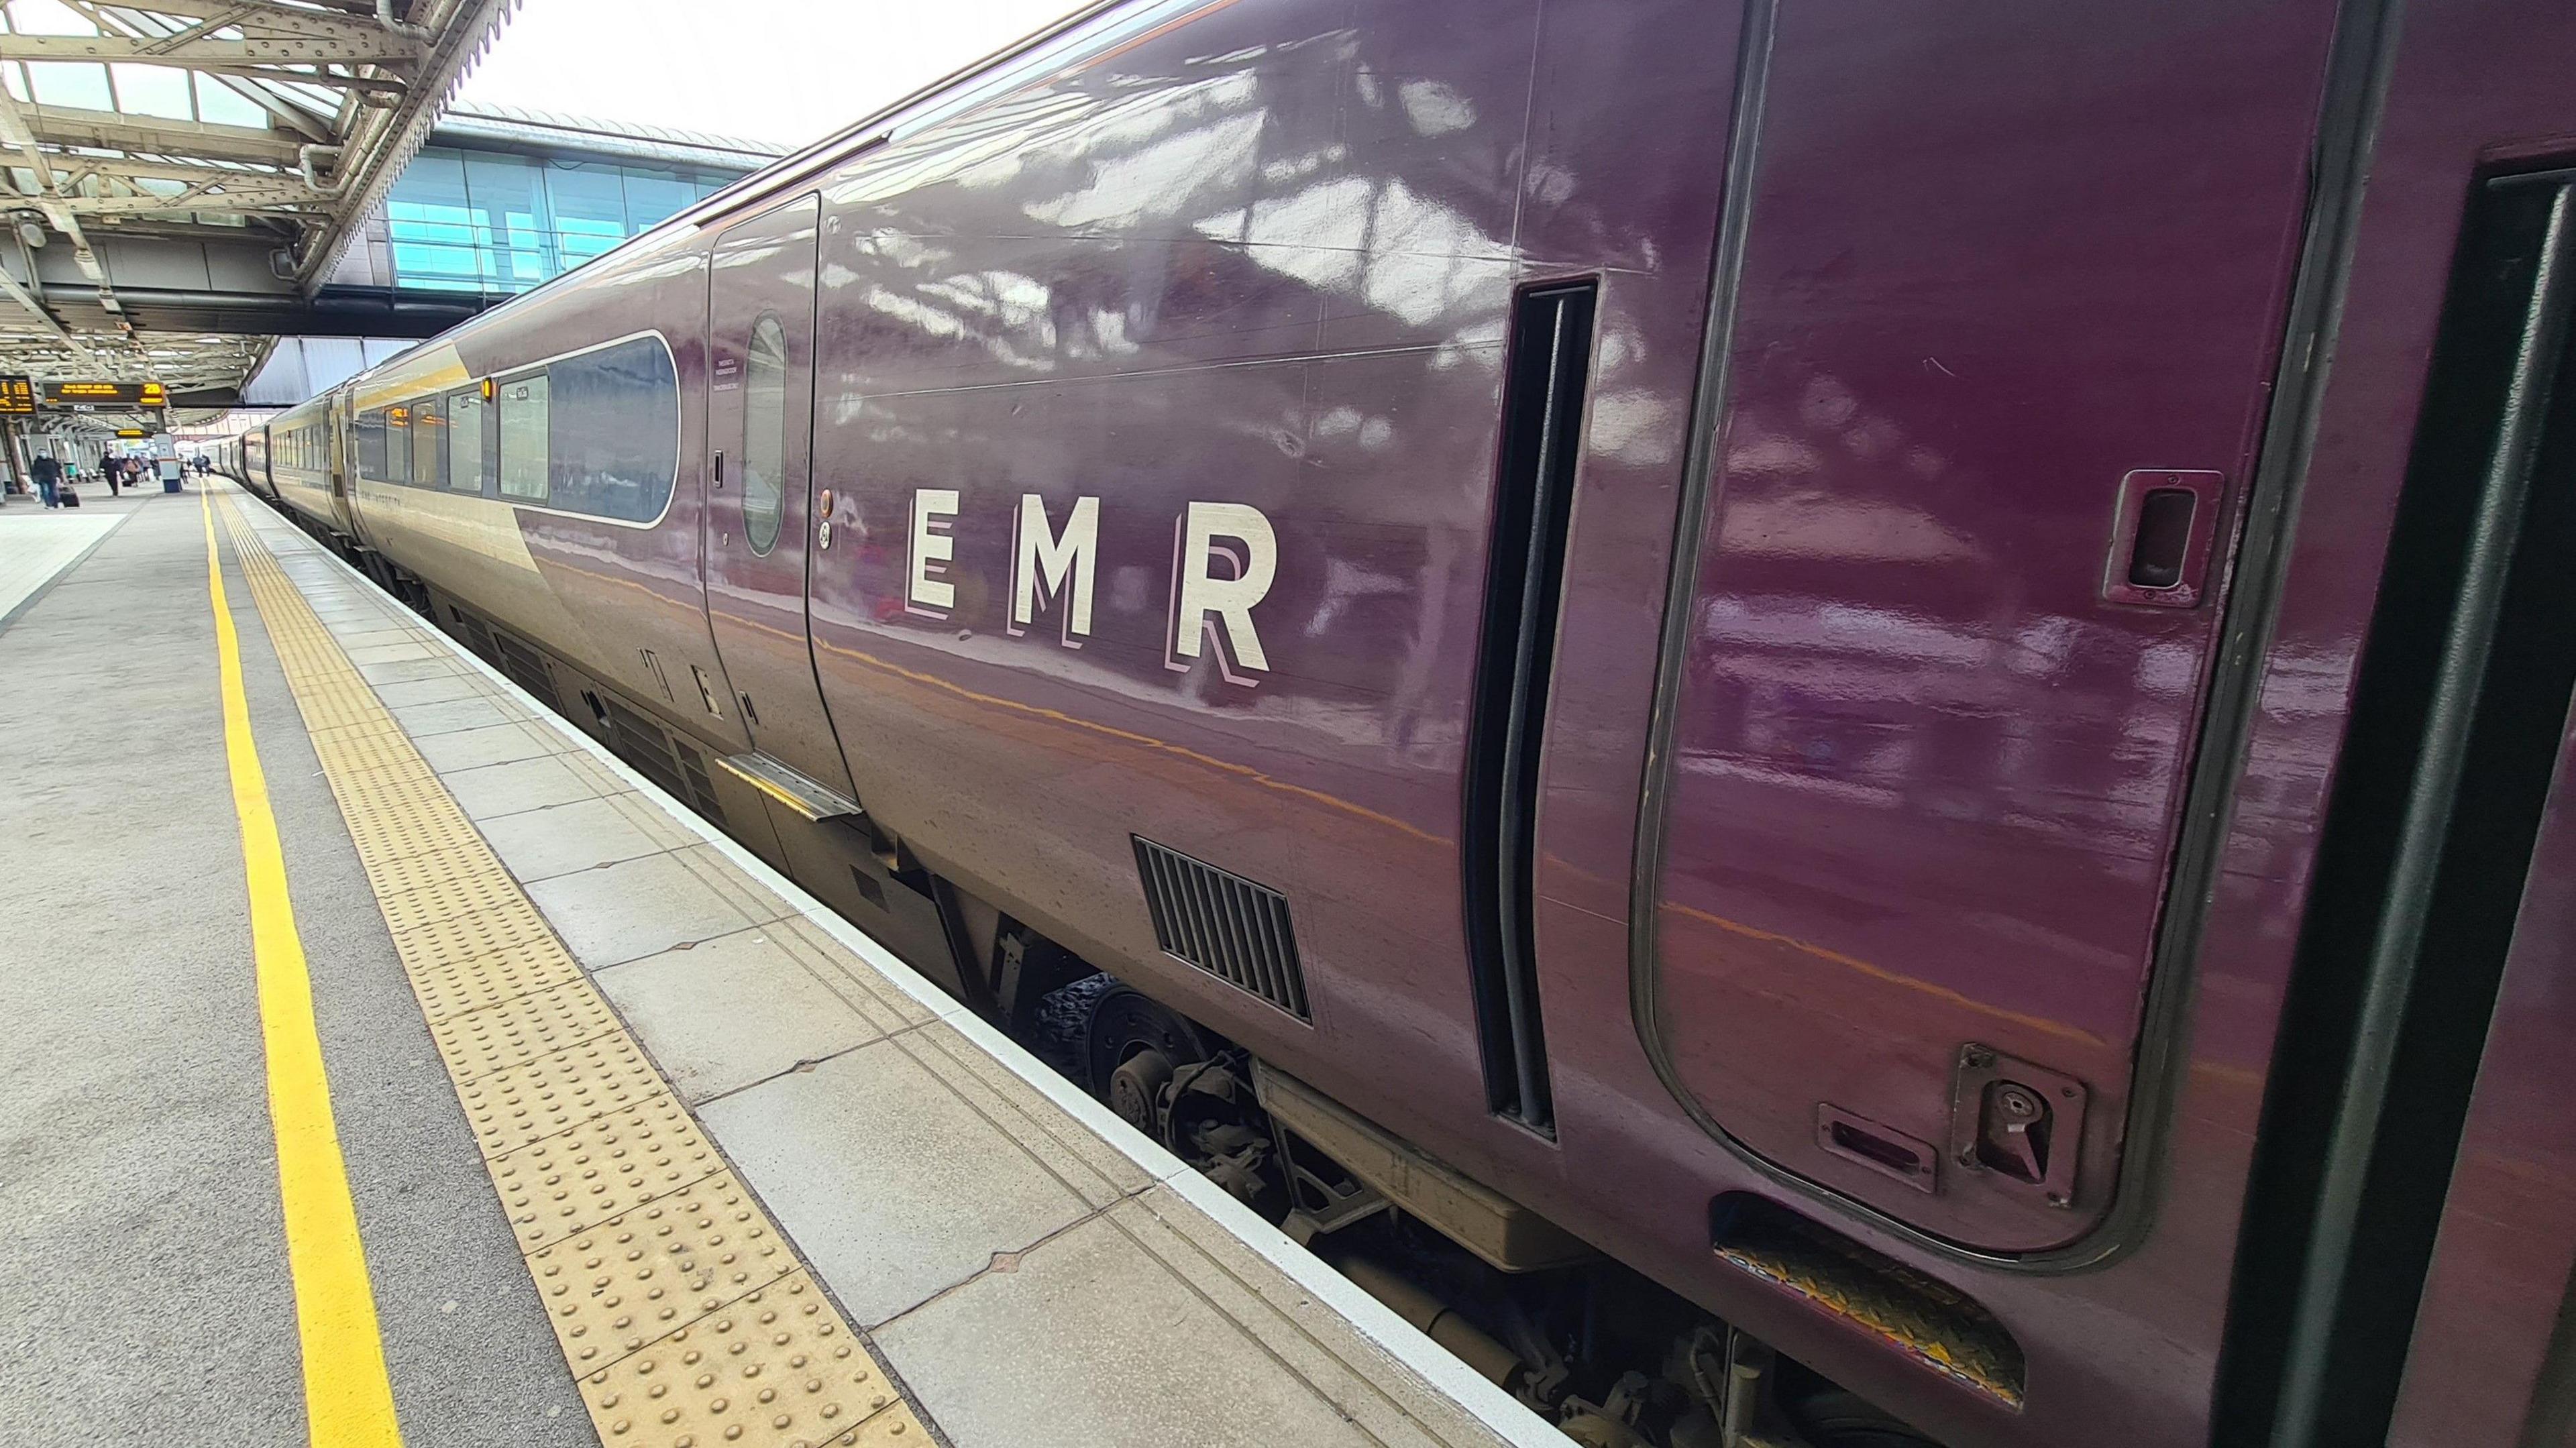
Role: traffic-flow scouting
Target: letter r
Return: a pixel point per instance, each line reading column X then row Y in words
column 1230, row 599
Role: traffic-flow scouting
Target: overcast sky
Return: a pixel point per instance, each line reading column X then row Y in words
column 785, row 71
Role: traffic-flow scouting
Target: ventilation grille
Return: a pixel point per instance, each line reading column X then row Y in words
column 640, row 742
column 1226, row 925
column 680, row 770
column 526, row 667
column 476, row 636
column 702, row 790
column 650, row 750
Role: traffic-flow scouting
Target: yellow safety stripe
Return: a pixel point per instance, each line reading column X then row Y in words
column 686, row 1319
column 348, row 1400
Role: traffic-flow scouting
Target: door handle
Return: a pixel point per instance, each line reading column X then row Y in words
column 2162, row 537
column 719, row 467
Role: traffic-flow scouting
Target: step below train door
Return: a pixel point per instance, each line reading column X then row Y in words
column 759, row 478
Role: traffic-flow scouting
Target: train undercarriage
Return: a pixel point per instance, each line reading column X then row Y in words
column 1614, row 1360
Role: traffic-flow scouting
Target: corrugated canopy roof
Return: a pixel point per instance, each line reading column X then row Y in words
column 555, row 130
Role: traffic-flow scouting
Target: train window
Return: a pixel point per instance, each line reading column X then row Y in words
column 613, row 448
column 429, row 442
column 764, row 434
column 523, row 402
column 398, row 444
column 371, row 444
column 465, row 461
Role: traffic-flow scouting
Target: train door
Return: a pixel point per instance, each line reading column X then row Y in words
column 1989, row 421
column 760, row 414
column 341, row 464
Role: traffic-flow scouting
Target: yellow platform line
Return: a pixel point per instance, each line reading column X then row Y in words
column 685, row 1318
column 348, row 1400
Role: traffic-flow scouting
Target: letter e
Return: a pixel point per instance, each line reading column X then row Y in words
column 931, row 544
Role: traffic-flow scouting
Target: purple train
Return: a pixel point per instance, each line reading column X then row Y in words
column 1820, row 722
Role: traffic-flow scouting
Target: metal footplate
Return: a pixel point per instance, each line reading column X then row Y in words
column 814, row 801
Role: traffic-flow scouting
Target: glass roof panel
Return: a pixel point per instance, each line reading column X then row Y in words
column 153, row 90
column 77, row 83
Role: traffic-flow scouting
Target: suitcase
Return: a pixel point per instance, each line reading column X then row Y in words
column 70, row 498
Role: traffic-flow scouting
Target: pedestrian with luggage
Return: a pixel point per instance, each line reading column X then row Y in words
column 49, row 479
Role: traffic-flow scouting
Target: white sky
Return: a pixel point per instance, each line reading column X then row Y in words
column 785, row 71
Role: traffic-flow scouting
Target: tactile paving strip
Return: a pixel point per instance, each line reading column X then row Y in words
column 452, row 987
column 558, row 1185
column 429, row 870
column 619, row 1285
column 779, row 1364
column 683, row 1314
column 479, row 1042
column 516, row 1105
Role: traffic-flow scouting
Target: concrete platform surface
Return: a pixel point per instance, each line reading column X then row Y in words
column 144, row 1291
column 1028, row 1268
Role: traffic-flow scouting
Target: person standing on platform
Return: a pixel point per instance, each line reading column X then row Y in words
column 115, row 474
column 49, row 478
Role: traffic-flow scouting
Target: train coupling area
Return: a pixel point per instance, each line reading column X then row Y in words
column 389, row 1064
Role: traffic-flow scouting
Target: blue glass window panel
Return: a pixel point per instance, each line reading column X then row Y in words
column 512, row 218
column 436, row 244
column 588, row 197
column 654, row 196
column 477, row 221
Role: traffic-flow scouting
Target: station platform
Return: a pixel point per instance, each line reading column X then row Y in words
column 389, row 1064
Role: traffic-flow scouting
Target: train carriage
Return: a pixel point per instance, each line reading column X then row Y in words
column 1724, row 677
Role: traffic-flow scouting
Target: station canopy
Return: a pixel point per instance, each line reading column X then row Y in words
column 199, row 144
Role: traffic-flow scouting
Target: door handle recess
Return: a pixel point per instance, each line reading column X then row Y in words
column 719, row 467
column 2161, row 538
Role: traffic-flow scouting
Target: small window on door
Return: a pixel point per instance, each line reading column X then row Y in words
column 371, row 444
column 428, row 443
column 764, row 434
column 465, row 461
column 398, row 444
column 523, row 438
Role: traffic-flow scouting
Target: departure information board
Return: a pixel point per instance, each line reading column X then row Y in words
column 91, row 396
column 17, row 397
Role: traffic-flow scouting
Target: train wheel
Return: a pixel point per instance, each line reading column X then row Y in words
column 1135, row 1047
